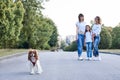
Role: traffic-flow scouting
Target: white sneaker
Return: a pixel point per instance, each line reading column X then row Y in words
column 90, row 59
column 39, row 73
column 80, row 58
column 95, row 58
column 87, row 58
column 99, row 58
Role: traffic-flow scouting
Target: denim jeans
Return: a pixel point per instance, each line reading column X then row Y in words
column 89, row 49
column 95, row 45
column 80, row 44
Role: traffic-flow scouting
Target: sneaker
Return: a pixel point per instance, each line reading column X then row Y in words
column 95, row 58
column 80, row 58
column 32, row 73
column 87, row 58
column 99, row 58
column 90, row 59
column 39, row 72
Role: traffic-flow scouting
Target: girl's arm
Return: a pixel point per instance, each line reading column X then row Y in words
column 76, row 32
column 84, row 40
column 93, row 35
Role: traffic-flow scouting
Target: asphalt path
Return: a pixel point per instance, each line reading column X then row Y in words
column 62, row 66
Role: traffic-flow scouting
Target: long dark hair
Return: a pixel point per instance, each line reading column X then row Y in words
column 99, row 19
column 79, row 17
column 86, row 28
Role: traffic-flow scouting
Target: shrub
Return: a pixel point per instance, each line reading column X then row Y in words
column 71, row 47
column 106, row 39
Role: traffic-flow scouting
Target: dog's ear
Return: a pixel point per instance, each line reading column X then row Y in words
column 29, row 52
column 36, row 54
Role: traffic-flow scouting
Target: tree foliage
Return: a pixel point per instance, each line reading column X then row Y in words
column 22, row 25
column 11, row 17
column 54, row 37
column 71, row 47
column 37, row 29
column 106, row 39
column 116, row 37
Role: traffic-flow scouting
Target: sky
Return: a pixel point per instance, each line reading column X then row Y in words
column 65, row 13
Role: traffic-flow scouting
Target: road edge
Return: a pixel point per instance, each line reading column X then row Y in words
column 13, row 55
column 22, row 53
column 18, row 54
column 110, row 53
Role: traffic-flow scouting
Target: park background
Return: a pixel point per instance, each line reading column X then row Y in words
column 26, row 24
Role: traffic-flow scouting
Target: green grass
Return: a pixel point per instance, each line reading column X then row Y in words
column 5, row 52
column 111, row 50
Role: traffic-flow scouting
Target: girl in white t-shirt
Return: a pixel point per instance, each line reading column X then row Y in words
column 80, row 30
column 88, row 42
column 96, row 30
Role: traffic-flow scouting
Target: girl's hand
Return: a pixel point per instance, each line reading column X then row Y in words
column 93, row 35
column 81, row 32
column 84, row 43
column 76, row 37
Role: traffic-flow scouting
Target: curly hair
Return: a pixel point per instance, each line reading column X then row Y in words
column 99, row 19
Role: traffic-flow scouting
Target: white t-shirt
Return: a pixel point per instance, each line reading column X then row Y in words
column 96, row 29
column 88, row 37
column 81, row 27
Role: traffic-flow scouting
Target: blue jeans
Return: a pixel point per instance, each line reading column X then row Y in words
column 80, row 44
column 89, row 49
column 95, row 45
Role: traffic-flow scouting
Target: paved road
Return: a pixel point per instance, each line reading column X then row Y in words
column 62, row 66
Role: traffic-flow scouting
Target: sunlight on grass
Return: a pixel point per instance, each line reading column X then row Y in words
column 5, row 52
column 111, row 50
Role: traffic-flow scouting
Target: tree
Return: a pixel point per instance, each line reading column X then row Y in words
column 11, row 17
column 37, row 29
column 116, row 37
column 43, row 33
column 71, row 47
column 106, row 39
column 54, row 37
column 63, row 44
column 29, row 23
column 22, row 25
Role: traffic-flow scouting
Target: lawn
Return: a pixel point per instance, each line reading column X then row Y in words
column 5, row 52
column 117, row 51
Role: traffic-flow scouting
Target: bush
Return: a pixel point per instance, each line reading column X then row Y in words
column 46, row 47
column 116, row 38
column 54, row 49
column 71, row 47
column 106, row 39
column 62, row 45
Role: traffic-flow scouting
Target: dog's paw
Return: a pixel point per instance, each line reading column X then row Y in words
column 39, row 72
